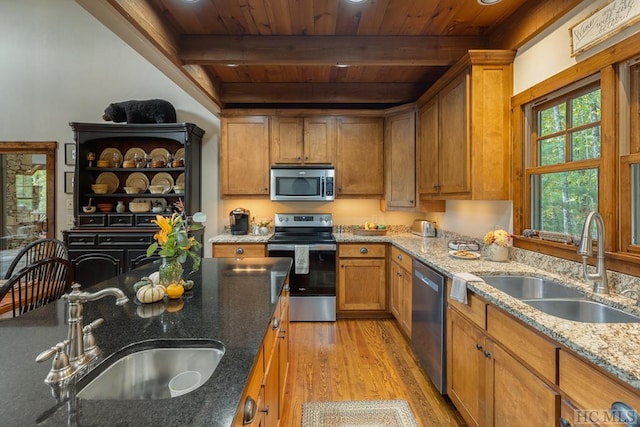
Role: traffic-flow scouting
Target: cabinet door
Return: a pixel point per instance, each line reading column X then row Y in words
column 400, row 160
column 138, row 257
column 428, row 168
column 270, row 385
column 395, row 291
column 359, row 164
column 361, row 284
column 91, row 267
column 454, row 144
column 519, row 397
column 244, row 156
column 283, row 352
column 320, row 140
column 286, row 140
column 406, row 292
column 466, row 368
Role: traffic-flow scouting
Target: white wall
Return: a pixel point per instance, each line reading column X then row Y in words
column 59, row 64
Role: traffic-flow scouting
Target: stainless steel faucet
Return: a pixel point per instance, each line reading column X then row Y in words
column 599, row 278
column 76, row 298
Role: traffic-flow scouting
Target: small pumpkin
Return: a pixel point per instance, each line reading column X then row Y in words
column 150, row 293
column 142, row 282
column 175, row 291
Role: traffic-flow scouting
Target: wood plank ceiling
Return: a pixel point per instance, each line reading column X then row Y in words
column 331, row 53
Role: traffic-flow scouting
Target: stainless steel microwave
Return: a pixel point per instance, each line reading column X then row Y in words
column 303, row 183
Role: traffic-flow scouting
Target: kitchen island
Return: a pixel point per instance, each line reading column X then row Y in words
column 232, row 301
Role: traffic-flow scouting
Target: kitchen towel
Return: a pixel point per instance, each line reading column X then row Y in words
column 301, row 254
column 459, row 288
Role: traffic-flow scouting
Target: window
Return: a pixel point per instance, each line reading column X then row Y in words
column 564, row 152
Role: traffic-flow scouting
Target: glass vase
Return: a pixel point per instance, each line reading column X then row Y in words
column 170, row 271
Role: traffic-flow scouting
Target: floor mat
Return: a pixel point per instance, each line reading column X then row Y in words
column 364, row 413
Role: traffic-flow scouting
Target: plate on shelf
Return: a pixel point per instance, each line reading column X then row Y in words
column 180, row 179
column 131, row 153
column 107, row 154
column 159, row 154
column 464, row 254
column 138, row 179
column 163, row 179
column 110, row 179
column 179, row 154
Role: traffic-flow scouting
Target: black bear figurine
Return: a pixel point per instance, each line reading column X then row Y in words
column 149, row 111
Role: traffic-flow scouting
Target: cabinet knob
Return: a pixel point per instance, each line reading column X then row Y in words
column 400, row 257
column 411, row 201
column 564, row 422
column 364, row 250
column 487, row 354
column 265, row 410
column 478, row 347
column 340, row 189
column 298, row 158
column 239, row 251
column 306, row 157
column 275, row 323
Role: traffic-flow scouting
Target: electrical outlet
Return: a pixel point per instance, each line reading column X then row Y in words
column 69, row 204
column 70, row 220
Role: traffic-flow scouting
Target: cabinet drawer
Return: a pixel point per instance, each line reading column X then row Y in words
column 250, row 250
column 401, row 257
column 525, row 343
column 362, row 250
column 475, row 309
column 127, row 239
column 591, row 389
column 82, row 240
column 144, row 220
column 120, row 220
column 92, row 220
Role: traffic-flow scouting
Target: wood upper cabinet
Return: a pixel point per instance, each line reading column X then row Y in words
column 244, row 156
column 464, row 130
column 359, row 163
column 308, row 140
column 400, row 160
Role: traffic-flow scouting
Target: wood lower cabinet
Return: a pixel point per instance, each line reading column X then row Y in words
column 263, row 399
column 400, row 288
column 489, row 381
column 244, row 156
column 359, row 163
column 239, row 250
column 361, row 283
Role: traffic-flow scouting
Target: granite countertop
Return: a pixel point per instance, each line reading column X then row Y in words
column 614, row 347
column 229, row 303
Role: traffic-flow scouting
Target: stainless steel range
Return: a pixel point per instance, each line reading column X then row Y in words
column 308, row 239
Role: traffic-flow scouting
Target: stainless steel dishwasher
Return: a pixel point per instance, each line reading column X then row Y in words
column 428, row 332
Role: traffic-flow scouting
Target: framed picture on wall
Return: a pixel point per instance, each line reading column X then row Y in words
column 70, row 154
column 68, row 182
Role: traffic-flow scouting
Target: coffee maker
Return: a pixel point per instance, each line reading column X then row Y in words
column 239, row 221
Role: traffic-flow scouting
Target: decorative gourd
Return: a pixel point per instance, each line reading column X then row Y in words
column 175, row 291
column 150, row 293
column 143, row 282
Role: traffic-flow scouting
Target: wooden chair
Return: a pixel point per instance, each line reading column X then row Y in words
column 38, row 284
column 35, row 251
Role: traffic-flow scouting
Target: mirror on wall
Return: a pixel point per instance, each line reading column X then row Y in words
column 27, row 203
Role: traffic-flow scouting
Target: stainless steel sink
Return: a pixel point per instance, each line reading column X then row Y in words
column 581, row 310
column 528, row 287
column 143, row 370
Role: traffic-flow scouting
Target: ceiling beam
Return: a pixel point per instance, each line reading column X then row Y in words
column 529, row 21
column 320, row 93
column 326, row 50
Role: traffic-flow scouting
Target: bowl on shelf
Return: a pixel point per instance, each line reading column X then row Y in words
column 99, row 188
column 105, row 207
column 139, row 207
column 177, row 163
column 128, row 164
column 156, row 189
column 132, row 190
column 157, row 163
column 103, row 163
column 178, row 188
column 88, row 209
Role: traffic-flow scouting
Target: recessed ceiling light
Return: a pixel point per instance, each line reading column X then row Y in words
column 342, row 65
column 488, row 2
column 356, row 1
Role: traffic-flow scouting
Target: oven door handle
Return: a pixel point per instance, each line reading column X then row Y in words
column 312, row 247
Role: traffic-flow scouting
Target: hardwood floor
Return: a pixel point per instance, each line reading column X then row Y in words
column 359, row 360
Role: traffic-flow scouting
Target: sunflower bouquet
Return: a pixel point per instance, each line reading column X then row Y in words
column 174, row 241
column 500, row 237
